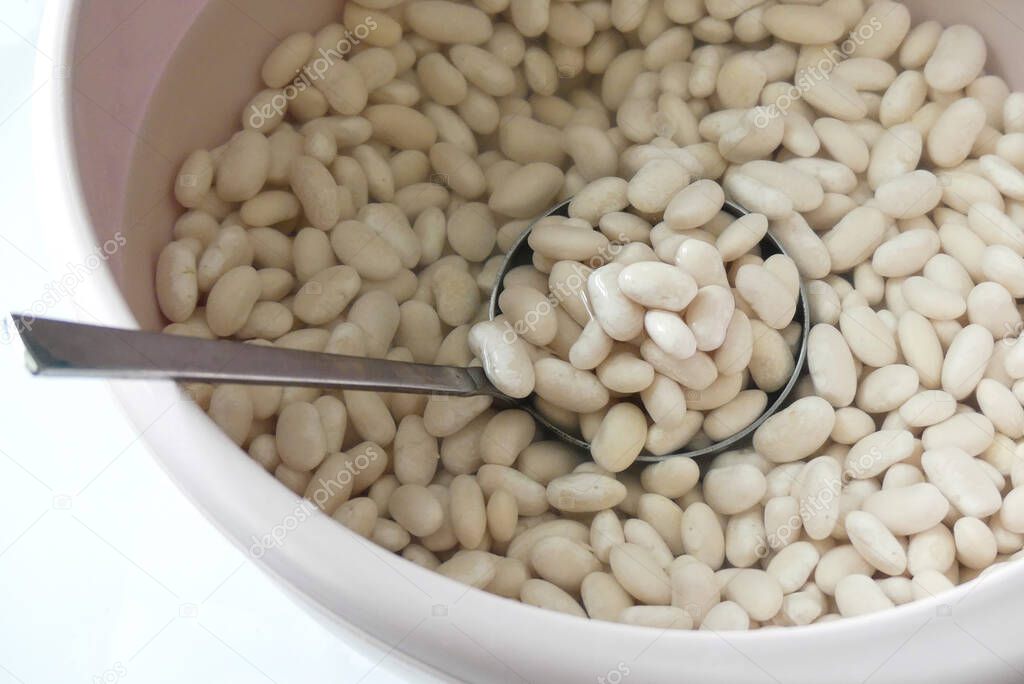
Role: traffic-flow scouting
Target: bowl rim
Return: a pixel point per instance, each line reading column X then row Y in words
column 65, row 220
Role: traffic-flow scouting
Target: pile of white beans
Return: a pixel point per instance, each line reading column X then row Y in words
column 366, row 206
column 654, row 323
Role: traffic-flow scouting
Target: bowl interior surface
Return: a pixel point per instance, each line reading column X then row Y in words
column 154, row 81
column 171, row 78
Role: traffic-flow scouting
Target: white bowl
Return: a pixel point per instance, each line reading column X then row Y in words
column 149, row 84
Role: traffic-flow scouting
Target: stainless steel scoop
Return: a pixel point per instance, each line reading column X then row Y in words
column 61, row 348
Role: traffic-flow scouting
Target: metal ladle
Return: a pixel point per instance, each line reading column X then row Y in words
column 62, row 348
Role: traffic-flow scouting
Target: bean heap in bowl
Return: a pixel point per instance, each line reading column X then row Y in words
column 394, row 157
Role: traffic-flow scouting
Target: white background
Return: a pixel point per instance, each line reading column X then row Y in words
column 106, row 571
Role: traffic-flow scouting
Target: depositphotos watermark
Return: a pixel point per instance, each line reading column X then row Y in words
column 314, row 70
column 615, row 675
column 64, row 287
column 807, row 77
column 789, row 531
column 306, row 508
column 112, row 674
column 571, row 286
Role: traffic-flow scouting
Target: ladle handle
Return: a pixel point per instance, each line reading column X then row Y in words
column 63, row 348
